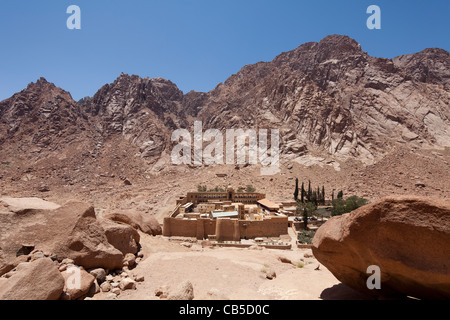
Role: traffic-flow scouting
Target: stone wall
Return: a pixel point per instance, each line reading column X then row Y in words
column 225, row 229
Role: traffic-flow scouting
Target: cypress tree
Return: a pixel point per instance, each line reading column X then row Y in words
column 303, row 193
column 323, row 195
column 309, row 191
column 296, row 190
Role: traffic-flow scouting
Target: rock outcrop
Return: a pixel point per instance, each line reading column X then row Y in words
column 71, row 231
column 37, row 280
column 407, row 237
column 145, row 223
column 122, row 236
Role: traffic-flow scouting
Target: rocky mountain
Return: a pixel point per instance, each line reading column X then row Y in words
column 41, row 116
column 330, row 100
column 334, row 98
column 144, row 111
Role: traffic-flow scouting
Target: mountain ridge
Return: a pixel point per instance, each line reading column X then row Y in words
column 328, row 98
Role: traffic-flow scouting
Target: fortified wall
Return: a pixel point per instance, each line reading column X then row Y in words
column 225, row 229
column 236, row 221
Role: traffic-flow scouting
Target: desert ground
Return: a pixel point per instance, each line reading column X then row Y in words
column 233, row 273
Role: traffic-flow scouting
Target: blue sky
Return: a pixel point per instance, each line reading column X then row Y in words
column 195, row 43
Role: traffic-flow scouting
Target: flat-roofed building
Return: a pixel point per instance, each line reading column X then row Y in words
column 268, row 205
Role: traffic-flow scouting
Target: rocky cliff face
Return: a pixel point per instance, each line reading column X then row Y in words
column 334, row 98
column 329, row 99
column 144, row 111
column 41, row 116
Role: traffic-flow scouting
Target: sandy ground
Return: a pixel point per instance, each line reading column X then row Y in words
column 232, row 273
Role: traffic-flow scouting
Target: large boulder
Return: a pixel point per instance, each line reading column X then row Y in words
column 122, row 236
column 407, row 237
column 145, row 223
column 77, row 282
column 37, row 280
column 70, row 231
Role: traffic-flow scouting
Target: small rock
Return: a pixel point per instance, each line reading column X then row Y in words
column 271, row 274
column 129, row 260
column 162, row 290
column 111, row 296
column 140, row 278
column 37, row 255
column 109, row 278
column 43, row 188
column 127, row 284
column 186, row 244
column 184, row 292
column 99, row 274
column 285, row 260
column 67, row 261
column 420, row 184
column 105, row 286
column 116, row 291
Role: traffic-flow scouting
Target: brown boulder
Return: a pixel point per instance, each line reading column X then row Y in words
column 77, row 282
column 407, row 237
column 5, row 264
column 145, row 223
column 37, row 280
column 122, row 236
column 70, row 231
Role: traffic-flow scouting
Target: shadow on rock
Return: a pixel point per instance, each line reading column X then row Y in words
column 343, row 292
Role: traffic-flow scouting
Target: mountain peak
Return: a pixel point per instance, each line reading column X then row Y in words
column 41, row 82
column 339, row 44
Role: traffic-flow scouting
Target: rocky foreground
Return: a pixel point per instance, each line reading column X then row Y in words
column 407, row 238
column 45, row 246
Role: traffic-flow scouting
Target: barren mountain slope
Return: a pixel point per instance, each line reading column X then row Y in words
column 369, row 126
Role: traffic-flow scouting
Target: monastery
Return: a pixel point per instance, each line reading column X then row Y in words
column 226, row 216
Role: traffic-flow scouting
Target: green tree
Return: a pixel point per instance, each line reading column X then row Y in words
column 296, row 190
column 309, row 196
column 306, row 210
column 302, row 197
column 341, row 206
column 354, row 202
column 340, row 195
column 250, row 188
column 323, row 195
